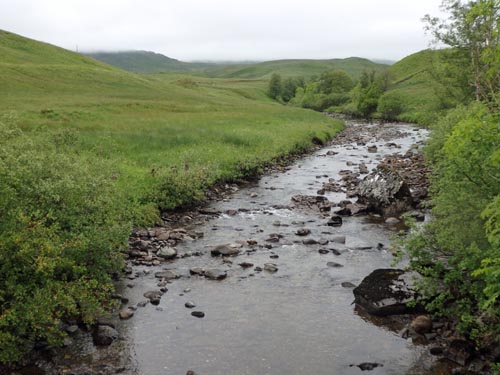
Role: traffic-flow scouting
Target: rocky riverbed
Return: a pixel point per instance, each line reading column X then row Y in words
column 261, row 281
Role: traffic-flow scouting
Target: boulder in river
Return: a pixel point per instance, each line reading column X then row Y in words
column 225, row 250
column 386, row 291
column 384, row 191
column 167, row 252
column 215, row 274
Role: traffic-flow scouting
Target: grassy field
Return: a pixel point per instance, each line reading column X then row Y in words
column 157, row 128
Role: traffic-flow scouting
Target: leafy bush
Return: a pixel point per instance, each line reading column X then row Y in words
column 390, row 105
column 459, row 249
column 62, row 225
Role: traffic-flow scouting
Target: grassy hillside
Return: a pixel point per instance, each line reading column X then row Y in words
column 147, row 123
column 306, row 68
column 147, row 62
column 414, row 83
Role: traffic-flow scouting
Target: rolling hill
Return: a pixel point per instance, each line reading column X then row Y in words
column 150, row 62
column 147, row 62
column 414, row 83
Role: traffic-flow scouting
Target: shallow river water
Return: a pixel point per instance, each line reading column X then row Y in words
column 296, row 321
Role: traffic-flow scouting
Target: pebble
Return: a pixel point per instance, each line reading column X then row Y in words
column 334, row 265
column 126, row 313
column 392, row 220
column 198, row 314
column 190, row 305
column 347, row 284
column 270, row 267
column 303, row 232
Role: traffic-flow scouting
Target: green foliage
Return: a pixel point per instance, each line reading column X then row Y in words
column 62, row 225
column 274, row 89
column 290, row 86
column 473, row 27
column 334, row 81
column 459, row 250
column 390, row 105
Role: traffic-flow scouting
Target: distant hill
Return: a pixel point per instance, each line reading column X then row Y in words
column 354, row 66
column 147, row 62
column 151, row 62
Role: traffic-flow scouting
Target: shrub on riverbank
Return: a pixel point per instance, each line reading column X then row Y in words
column 458, row 250
column 62, row 225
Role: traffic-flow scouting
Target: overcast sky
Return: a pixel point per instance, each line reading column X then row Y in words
column 227, row 29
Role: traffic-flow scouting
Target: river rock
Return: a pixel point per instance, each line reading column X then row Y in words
column 215, row 274
column 190, row 305
column 154, row 296
column 309, row 241
column 338, row 239
column 334, row 265
column 167, row 275
column 392, row 220
column 225, row 250
column 197, row 271
column 303, row 232
column 348, row 285
column 167, row 252
column 198, row 314
column 270, row 267
column 335, row 221
column 351, row 209
column 245, row 265
column 386, row 292
column 126, row 313
column 384, row 191
column 368, row 366
column 104, row 335
column 422, row 324
column 363, row 169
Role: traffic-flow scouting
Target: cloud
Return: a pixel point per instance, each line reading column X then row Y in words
column 228, row 30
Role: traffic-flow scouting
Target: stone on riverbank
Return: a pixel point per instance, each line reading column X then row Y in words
column 386, row 292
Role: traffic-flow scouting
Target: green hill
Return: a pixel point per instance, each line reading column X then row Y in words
column 415, row 86
column 147, row 62
column 306, row 68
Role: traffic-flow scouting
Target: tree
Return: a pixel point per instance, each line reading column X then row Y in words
column 289, row 86
column 274, row 89
column 335, row 81
column 474, row 27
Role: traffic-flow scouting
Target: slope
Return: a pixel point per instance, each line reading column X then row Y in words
column 414, row 84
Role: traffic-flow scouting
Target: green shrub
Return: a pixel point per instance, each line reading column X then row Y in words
column 459, row 250
column 390, row 105
column 62, row 225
